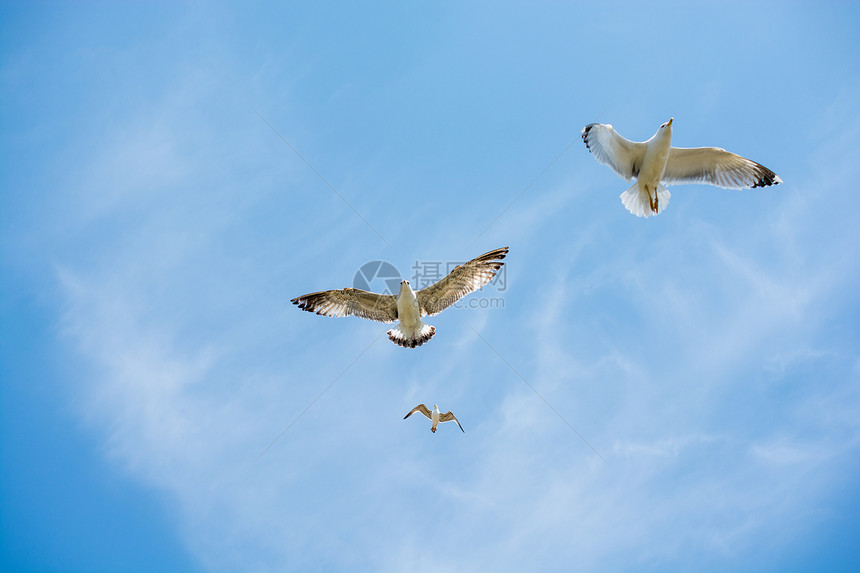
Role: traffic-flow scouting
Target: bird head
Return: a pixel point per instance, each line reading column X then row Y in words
column 668, row 124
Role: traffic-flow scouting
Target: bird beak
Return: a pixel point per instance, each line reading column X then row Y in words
column 671, row 119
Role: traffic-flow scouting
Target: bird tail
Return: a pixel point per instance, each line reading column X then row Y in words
column 638, row 201
column 410, row 338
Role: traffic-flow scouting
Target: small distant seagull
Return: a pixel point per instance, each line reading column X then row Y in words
column 435, row 416
column 655, row 162
column 408, row 306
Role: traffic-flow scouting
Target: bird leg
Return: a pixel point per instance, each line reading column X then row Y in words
column 655, row 201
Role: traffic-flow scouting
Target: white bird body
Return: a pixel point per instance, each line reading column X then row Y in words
column 411, row 326
column 655, row 163
column 407, row 306
column 435, row 416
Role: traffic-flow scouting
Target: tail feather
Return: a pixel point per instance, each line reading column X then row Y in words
column 411, row 338
column 638, row 202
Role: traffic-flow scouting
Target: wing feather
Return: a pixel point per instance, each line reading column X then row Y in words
column 464, row 279
column 716, row 166
column 350, row 302
column 420, row 408
column 448, row 416
column 622, row 155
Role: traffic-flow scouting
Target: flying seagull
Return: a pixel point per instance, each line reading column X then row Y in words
column 435, row 416
column 655, row 162
column 407, row 306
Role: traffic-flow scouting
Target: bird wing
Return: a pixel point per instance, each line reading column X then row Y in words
column 448, row 416
column 420, row 408
column 717, row 167
column 464, row 279
column 622, row 155
column 350, row 302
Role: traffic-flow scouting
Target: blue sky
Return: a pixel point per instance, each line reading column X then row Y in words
column 155, row 224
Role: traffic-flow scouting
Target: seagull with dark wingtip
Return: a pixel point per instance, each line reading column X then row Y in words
column 655, row 162
column 435, row 416
column 408, row 306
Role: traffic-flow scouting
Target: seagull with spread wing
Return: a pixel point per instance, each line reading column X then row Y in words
column 407, row 306
column 655, row 162
column 435, row 416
